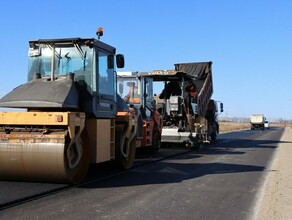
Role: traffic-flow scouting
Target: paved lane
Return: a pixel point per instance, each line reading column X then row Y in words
column 11, row 192
column 219, row 182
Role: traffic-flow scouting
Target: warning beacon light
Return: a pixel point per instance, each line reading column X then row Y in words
column 99, row 32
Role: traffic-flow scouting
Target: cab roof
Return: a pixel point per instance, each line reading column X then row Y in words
column 68, row 42
column 186, row 71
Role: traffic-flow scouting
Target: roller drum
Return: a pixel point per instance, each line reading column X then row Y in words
column 38, row 157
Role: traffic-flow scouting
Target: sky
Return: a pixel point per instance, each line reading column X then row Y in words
column 248, row 41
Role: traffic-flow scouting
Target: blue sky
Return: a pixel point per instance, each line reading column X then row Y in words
column 248, row 41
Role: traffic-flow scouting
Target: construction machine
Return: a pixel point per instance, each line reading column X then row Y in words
column 73, row 115
column 189, row 114
column 137, row 92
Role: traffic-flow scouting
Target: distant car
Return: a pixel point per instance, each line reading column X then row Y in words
column 267, row 125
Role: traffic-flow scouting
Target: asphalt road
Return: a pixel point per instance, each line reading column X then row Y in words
column 218, row 182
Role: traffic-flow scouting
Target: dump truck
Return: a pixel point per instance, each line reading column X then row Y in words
column 257, row 121
column 73, row 115
column 189, row 114
column 137, row 92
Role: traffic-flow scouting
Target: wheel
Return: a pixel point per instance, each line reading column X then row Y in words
column 124, row 151
column 213, row 132
column 213, row 136
column 217, row 127
column 198, row 145
column 156, row 140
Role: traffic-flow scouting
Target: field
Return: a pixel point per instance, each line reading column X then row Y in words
column 234, row 126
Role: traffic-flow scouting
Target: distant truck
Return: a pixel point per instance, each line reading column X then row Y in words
column 257, row 121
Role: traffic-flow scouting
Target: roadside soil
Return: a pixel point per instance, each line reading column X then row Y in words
column 235, row 126
column 275, row 200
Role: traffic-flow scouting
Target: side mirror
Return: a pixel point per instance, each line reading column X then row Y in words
column 221, row 107
column 120, row 60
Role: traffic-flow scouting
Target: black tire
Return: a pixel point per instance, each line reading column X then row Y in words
column 213, row 136
column 156, row 140
column 198, row 145
column 217, row 127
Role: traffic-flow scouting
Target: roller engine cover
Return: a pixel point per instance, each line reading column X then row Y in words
column 43, row 93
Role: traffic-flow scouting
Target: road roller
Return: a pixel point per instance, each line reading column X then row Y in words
column 67, row 115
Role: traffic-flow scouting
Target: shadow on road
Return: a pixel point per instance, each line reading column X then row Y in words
column 165, row 172
column 184, row 166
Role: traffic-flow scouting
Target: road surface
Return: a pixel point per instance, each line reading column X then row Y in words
column 223, row 181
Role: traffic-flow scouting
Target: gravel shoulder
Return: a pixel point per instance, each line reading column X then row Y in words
column 275, row 199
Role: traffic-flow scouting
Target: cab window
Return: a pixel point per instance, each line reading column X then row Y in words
column 106, row 74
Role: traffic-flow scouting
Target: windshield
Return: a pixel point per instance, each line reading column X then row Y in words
column 130, row 89
column 67, row 60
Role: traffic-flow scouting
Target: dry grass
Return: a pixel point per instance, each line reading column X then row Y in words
column 233, row 126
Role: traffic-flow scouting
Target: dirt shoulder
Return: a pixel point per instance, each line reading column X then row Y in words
column 275, row 200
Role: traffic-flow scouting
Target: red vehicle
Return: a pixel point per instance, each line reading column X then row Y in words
column 137, row 91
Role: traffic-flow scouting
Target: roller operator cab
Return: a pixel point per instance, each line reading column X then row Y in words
column 137, row 92
column 74, row 116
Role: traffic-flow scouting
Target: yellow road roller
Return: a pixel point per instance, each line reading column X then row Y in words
column 67, row 115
